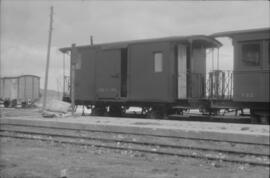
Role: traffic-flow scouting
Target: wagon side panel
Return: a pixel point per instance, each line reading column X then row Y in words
column 108, row 74
column 21, row 88
column 1, row 88
column 149, row 72
column 85, row 76
column 10, row 88
column 251, row 67
column 28, row 88
column 198, row 70
column 36, row 87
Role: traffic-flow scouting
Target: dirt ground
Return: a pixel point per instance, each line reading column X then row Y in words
column 36, row 159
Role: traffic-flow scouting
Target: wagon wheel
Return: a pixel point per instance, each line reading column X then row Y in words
column 98, row 111
column 6, row 103
column 116, row 111
column 175, row 111
column 210, row 111
column 14, row 103
column 151, row 115
column 156, row 114
column 255, row 119
column 24, row 104
column 264, row 120
column 259, row 118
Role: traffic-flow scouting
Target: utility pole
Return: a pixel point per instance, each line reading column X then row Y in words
column 48, row 60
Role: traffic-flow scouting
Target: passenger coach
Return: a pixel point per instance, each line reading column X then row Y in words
column 251, row 71
column 159, row 75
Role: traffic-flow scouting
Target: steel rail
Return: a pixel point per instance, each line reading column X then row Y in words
column 140, row 143
column 254, row 163
column 134, row 133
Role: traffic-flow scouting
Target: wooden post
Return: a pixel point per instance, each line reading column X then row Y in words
column 48, row 60
column 72, row 76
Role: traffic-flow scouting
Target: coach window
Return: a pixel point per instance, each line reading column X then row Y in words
column 158, row 61
column 251, row 53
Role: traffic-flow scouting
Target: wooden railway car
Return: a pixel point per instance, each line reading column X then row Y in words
column 251, row 71
column 22, row 90
column 159, row 75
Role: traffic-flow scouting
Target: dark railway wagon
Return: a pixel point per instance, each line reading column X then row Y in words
column 251, row 71
column 159, row 75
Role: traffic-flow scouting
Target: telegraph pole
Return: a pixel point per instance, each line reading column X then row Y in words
column 48, row 59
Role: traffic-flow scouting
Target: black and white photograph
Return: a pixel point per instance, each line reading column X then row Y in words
column 134, row 89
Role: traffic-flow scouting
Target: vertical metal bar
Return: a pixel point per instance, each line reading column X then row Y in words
column 176, row 71
column 72, row 76
column 33, row 89
column 91, row 40
column 38, row 88
column 64, row 68
column 212, row 59
column 223, row 84
column 24, row 88
column 189, row 72
column 231, row 85
column 211, row 84
column 48, row 59
column 218, row 59
column 18, row 88
column 4, row 83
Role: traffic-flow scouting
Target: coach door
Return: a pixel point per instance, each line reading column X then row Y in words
column 182, row 71
column 108, row 74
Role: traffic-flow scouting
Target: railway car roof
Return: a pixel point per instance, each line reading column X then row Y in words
column 198, row 39
column 12, row 77
column 240, row 32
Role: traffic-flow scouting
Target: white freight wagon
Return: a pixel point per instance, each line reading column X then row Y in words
column 24, row 89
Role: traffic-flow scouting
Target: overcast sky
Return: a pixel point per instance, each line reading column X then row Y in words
column 25, row 24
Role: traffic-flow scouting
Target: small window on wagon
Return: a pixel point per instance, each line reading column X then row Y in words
column 251, row 53
column 158, row 61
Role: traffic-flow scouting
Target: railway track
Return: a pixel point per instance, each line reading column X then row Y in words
column 213, row 150
column 15, row 112
column 199, row 117
column 206, row 118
